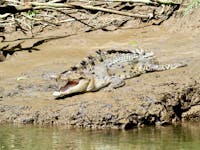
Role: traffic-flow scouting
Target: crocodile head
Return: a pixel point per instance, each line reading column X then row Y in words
column 73, row 82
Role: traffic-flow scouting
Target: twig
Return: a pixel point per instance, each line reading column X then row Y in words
column 79, row 20
column 3, row 38
column 168, row 2
column 56, row 1
column 14, row 1
column 36, row 19
column 67, row 20
column 133, row 1
column 17, row 21
column 4, row 15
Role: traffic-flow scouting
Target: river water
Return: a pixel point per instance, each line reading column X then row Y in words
column 184, row 137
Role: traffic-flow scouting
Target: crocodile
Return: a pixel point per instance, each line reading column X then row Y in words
column 108, row 69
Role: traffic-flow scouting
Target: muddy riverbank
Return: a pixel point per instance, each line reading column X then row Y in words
column 157, row 98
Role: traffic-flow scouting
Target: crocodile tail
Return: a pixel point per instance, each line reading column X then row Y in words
column 164, row 67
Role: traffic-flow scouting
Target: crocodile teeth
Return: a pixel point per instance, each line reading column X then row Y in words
column 54, row 76
column 56, row 94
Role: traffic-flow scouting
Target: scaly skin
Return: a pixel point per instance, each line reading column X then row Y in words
column 108, row 69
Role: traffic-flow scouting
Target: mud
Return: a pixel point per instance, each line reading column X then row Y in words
column 158, row 98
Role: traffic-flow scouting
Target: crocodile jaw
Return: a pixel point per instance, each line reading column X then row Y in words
column 71, row 87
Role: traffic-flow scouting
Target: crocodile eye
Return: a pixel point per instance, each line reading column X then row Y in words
column 83, row 63
column 74, row 68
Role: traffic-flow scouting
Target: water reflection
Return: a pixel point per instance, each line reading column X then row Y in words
column 31, row 138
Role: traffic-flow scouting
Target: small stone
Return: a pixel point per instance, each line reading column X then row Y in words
column 22, row 78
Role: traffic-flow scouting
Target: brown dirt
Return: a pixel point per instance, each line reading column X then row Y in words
column 155, row 98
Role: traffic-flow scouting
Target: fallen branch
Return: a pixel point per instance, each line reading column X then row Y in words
column 145, row 1
column 88, row 7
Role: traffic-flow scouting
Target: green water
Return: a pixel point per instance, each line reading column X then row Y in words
column 185, row 137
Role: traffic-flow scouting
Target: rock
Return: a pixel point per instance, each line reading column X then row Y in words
column 192, row 114
column 2, row 57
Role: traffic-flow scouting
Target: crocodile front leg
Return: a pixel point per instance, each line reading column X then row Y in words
column 115, row 82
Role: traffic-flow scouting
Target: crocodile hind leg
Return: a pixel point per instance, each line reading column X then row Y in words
column 156, row 67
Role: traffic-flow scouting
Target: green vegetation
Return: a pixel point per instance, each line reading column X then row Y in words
column 33, row 13
column 191, row 6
